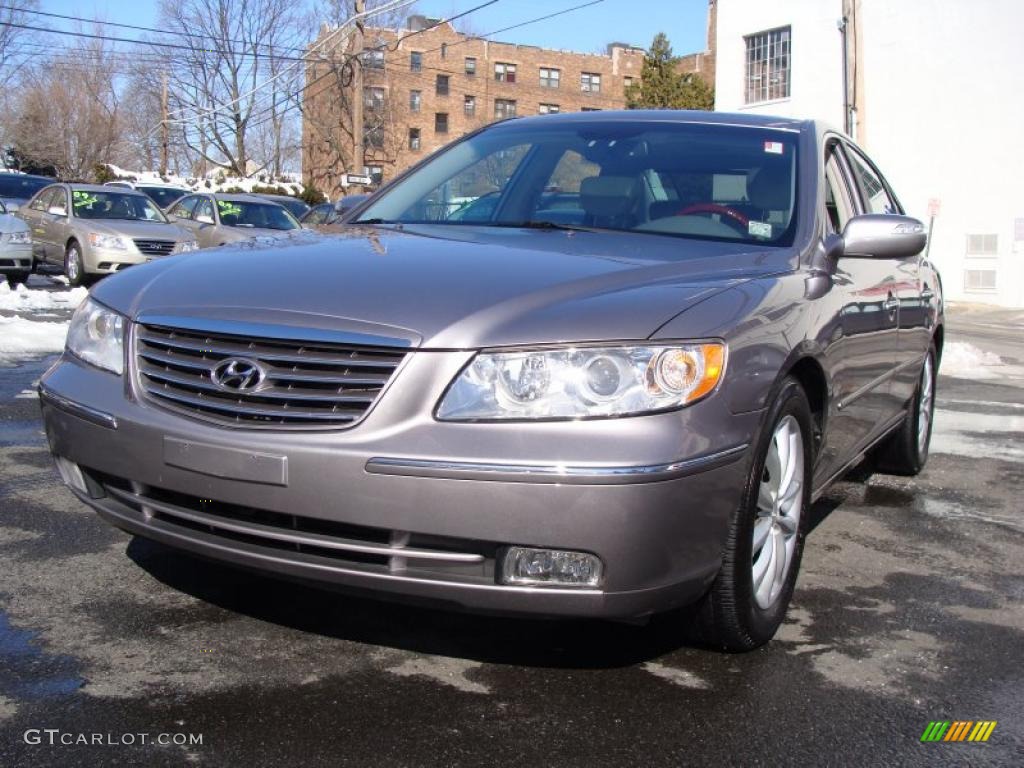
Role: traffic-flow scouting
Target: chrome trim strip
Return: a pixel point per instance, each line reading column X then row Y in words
column 857, row 394
column 551, row 473
column 267, row 331
column 84, row 412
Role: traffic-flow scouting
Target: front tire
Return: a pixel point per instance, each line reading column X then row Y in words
column 748, row 599
column 905, row 452
column 74, row 268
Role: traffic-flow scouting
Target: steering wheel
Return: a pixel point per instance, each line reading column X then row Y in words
column 730, row 215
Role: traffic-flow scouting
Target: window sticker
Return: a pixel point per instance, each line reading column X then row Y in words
column 773, row 147
column 228, row 208
column 80, row 198
column 759, row 229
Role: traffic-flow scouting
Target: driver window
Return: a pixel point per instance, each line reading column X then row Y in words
column 183, row 210
column 42, row 203
column 205, row 208
column 838, row 203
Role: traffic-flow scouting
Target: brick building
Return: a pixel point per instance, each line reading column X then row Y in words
column 421, row 92
column 702, row 63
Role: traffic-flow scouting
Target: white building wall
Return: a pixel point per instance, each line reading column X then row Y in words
column 942, row 111
column 816, row 87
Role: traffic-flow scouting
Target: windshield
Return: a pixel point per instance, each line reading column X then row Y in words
column 712, row 182
column 21, row 187
column 88, row 204
column 241, row 213
column 163, row 196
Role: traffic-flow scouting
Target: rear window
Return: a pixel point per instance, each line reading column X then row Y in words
column 21, row 187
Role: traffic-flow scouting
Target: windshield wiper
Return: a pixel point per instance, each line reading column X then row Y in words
column 374, row 221
column 538, row 224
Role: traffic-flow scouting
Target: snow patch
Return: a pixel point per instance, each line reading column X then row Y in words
column 21, row 339
column 24, row 299
column 676, row 676
column 966, row 361
column 448, row 671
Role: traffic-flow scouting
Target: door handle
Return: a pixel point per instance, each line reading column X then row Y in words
column 927, row 294
column 891, row 304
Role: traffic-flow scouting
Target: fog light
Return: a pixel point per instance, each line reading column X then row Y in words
column 70, row 474
column 523, row 565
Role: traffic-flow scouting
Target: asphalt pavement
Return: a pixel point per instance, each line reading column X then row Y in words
column 909, row 609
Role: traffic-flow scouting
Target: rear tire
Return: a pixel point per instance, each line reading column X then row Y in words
column 17, row 278
column 74, row 268
column 748, row 599
column 905, row 452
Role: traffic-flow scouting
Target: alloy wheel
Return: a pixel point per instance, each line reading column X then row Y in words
column 924, row 405
column 780, row 502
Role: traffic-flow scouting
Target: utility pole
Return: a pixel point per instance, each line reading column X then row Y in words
column 358, row 43
column 164, row 127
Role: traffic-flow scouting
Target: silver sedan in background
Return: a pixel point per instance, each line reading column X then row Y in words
column 93, row 230
column 15, row 247
column 218, row 219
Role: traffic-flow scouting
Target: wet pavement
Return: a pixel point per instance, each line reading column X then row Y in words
column 909, row 608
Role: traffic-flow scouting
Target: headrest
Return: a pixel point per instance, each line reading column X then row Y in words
column 608, row 195
column 769, row 189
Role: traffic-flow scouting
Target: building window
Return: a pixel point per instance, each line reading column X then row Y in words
column 504, row 108
column 373, row 58
column 375, row 172
column 442, row 85
column 549, row 78
column 373, row 99
column 627, row 82
column 415, row 100
column 414, row 138
column 590, row 82
column 979, row 279
column 548, row 109
column 505, row 73
column 441, row 122
column 982, row 245
column 444, row 50
column 470, row 65
column 415, row 61
column 768, row 65
column 469, row 105
column 373, row 136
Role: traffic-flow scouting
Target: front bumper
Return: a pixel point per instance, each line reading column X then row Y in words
column 15, row 257
column 397, row 508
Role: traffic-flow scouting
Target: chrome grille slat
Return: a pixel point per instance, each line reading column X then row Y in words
column 306, row 385
column 154, row 247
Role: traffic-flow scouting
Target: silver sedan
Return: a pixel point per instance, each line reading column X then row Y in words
column 15, row 247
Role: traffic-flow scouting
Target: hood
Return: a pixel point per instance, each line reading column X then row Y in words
column 131, row 229
column 11, row 223
column 444, row 287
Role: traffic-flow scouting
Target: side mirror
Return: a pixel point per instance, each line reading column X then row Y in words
column 56, row 210
column 204, row 219
column 883, row 236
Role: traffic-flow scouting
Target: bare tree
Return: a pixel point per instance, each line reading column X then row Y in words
column 235, row 66
column 71, row 122
column 14, row 40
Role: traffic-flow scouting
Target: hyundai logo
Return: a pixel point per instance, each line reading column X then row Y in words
column 238, row 374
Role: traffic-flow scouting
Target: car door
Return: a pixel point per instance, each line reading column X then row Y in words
column 912, row 292
column 862, row 337
column 34, row 214
column 58, row 225
column 181, row 213
column 206, row 223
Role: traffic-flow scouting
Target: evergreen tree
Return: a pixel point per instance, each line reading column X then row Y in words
column 662, row 86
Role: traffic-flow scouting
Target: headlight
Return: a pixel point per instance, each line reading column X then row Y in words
column 110, row 242
column 19, row 238
column 187, row 246
column 97, row 336
column 581, row 382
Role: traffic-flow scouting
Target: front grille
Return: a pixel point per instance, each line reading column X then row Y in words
column 303, row 385
column 360, row 547
column 155, row 247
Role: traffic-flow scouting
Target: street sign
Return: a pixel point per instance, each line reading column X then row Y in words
column 934, row 206
column 355, row 178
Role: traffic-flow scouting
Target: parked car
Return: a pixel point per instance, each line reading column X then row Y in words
column 15, row 248
column 163, row 195
column 605, row 418
column 332, row 213
column 217, row 219
column 94, row 230
column 296, row 207
column 17, row 188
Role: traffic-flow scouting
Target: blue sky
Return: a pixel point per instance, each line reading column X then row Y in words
column 588, row 29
